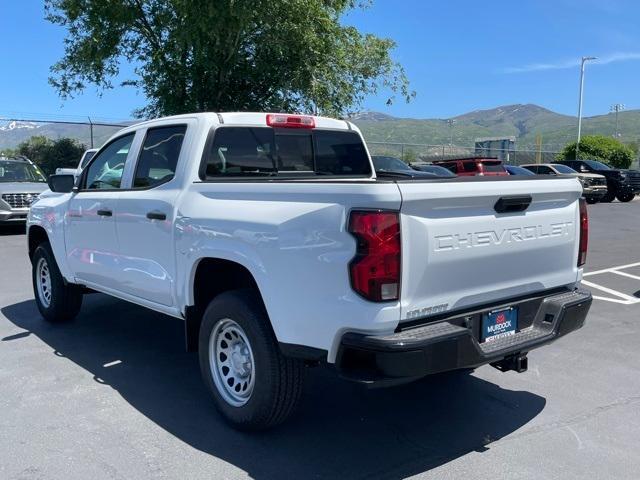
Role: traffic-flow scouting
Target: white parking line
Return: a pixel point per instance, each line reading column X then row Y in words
column 623, row 298
column 607, row 270
column 625, row 274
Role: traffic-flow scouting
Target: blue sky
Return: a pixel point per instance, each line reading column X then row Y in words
column 460, row 55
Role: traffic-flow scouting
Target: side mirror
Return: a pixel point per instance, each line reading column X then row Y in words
column 61, row 183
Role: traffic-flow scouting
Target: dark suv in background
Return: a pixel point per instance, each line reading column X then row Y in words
column 621, row 184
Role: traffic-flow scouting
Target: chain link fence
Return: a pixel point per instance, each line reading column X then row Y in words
column 91, row 133
column 418, row 152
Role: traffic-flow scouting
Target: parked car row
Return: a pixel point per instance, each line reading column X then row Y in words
column 600, row 183
column 21, row 181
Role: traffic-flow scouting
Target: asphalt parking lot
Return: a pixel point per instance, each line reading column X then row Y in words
column 113, row 395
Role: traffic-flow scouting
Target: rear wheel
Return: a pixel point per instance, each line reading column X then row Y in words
column 252, row 384
column 625, row 197
column 592, row 200
column 57, row 300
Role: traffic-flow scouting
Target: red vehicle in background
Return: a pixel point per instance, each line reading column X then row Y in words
column 471, row 166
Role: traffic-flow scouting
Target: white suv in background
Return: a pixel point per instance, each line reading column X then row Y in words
column 21, row 181
column 86, row 157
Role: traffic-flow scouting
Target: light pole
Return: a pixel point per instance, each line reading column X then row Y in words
column 450, row 122
column 617, row 108
column 584, row 60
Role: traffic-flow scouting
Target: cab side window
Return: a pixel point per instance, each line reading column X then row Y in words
column 159, row 156
column 105, row 171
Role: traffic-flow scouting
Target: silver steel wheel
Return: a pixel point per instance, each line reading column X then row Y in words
column 231, row 362
column 43, row 281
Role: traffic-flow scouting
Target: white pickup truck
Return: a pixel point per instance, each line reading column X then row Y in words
column 271, row 237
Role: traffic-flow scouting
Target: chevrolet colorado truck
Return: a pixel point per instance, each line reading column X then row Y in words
column 271, row 237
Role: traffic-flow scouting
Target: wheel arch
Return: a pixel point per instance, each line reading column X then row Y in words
column 35, row 236
column 211, row 276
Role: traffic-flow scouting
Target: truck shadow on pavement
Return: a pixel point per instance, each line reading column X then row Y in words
column 340, row 430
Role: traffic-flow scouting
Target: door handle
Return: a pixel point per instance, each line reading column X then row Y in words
column 105, row 213
column 155, row 215
column 516, row 203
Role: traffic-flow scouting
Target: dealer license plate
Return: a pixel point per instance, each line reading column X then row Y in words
column 498, row 324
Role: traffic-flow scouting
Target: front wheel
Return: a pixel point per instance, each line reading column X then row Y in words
column 625, row 197
column 609, row 197
column 592, row 200
column 57, row 300
column 253, row 385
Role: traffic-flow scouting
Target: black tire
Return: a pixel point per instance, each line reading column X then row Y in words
column 625, row 197
column 65, row 299
column 278, row 381
column 592, row 200
column 608, row 197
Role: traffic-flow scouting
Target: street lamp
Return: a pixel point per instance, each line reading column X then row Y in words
column 584, row 60
column 617, row 108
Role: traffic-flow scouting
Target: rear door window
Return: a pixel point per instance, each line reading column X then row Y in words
column 267, row 151
column 159, row 156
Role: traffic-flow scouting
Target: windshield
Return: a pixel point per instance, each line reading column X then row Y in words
column 389, row 164
column 597, row 165
column 12, row 171
column 443, row 172
column 515, row 170
column 563, row 168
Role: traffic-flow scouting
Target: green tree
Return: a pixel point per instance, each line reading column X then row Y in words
column 598, row 147
column 221, row 55
column 50, row 154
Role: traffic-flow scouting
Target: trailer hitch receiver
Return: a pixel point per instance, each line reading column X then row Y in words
column 518, row 363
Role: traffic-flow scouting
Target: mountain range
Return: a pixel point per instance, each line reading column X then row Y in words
column 523, row 121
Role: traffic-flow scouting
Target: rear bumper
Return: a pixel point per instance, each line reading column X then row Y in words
column 452, row 343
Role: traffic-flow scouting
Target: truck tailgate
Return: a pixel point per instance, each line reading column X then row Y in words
column 457, row 251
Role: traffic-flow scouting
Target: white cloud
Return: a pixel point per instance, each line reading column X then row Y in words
column 562, row 65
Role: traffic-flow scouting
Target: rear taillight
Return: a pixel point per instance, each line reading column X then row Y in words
column 290, row 121
column 584, row 233
column 375, row 270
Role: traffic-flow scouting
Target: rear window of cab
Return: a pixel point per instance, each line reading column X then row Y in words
column 283, row 152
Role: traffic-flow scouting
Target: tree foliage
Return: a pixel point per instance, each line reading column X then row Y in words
column 602, row 148
column 50, row 154
column 221, row 55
